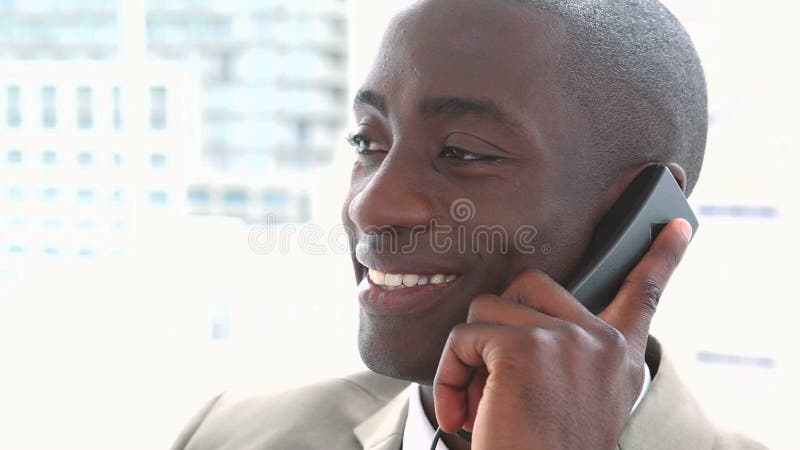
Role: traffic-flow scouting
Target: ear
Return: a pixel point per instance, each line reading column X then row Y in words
column 679, row 174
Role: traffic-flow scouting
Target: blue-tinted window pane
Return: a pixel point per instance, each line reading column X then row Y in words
column 84, row 159
column 235, row 198
column 158, row 160
column 274, row 200
column 159, row 198
column 48, row 107
column 117, row 113
column 117, row 196
column 116, row 160
column 49, row 158
column 15, row 193
column 85, row 119
column 158, row 108
column 85, row 195
column 50, row 194
column 13, row 110
column 199, row 197
column 14, row 157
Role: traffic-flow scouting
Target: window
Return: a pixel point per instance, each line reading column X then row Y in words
column 85, row 159
column 158, row 161
column 85, row 195
column 50, row 194
column 198, row 197
column 274, row 200
column 49, row 158
column 116, row 96
column 15, row 193
column 116, row 160
column 14, row 157
column 48, row 107
column 13, row 101
column 117, row 196
column 235, row 198
column 159, row 198
column 158, row 108
column 302, row 129
column 85, row 119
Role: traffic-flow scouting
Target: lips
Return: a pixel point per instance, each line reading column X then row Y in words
column 401, row 293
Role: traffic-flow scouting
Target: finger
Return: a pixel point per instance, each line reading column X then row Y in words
column 491, row 309
column 633, row 308
column 535, row 289
column 474, row 395
column 461, row 359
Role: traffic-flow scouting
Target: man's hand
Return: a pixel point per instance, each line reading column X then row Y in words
column 533, row 368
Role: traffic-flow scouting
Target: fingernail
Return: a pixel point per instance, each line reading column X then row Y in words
column 686, row 229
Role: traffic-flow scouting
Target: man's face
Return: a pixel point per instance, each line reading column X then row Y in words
column 462, row 108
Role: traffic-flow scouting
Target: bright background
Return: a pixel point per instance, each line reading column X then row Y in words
column 147, row 148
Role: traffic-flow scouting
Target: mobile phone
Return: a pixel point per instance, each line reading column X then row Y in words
column 625, row 234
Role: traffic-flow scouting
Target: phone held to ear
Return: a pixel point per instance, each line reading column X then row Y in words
column 621, row 238
column 625, row 234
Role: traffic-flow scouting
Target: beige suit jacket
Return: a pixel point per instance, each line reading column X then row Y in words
column 368, row 411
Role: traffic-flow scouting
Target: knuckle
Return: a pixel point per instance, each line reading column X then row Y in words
column 616, row 340
column 457, row 331
column 651, row 291
column 529, row 277
column 482, row 308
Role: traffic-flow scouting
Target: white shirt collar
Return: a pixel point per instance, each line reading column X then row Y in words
column 418, row 432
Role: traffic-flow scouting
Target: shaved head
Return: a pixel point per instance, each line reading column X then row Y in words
column 635, row 72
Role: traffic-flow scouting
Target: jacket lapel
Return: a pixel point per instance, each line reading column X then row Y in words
column 668, row 417
column 384, row 429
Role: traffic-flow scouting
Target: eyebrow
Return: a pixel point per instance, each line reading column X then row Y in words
column 459, row 106
column 367, row 97
column 452, row 106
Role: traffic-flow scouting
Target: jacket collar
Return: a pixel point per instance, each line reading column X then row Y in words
column 384, row 429
column 667, row 417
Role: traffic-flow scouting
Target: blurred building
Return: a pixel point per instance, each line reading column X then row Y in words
column 272, row 83
column 88, row 152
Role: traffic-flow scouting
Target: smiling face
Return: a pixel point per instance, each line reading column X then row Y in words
column 463, row 102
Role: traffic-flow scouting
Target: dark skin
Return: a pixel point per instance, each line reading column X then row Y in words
column 464, row 102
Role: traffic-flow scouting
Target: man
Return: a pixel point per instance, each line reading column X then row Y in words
column 532, row 113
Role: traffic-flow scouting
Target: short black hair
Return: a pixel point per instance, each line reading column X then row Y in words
column 636, row 74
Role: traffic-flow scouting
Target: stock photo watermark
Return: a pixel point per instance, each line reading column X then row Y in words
column 460, row 235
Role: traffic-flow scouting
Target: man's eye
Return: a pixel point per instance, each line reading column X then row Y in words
column 464, row 155
column 361, row 143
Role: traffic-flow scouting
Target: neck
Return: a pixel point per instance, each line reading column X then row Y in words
column 453, row 441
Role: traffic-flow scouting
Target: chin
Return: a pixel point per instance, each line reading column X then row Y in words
column 398, row 355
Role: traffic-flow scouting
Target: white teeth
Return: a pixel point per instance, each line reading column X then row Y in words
column 437, row 279
column 393, row 279
column 377, row 277
column 410, row 279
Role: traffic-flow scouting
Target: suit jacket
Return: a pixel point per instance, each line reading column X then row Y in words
column 369, row 411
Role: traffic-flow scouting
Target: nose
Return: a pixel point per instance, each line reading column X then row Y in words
column 394, row 197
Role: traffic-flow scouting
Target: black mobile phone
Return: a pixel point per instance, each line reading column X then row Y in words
column 625, row 234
